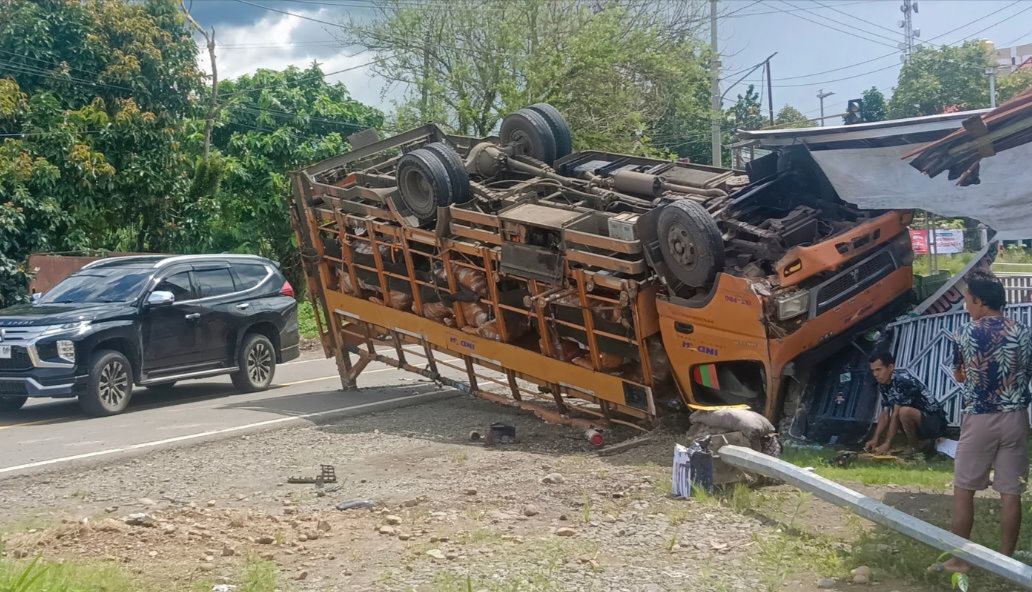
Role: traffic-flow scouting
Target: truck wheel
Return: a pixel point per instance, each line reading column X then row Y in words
column 11, row 403
column 110, row 384
column 531, row 134
column 256, row 361
column 456, row 171
column 423, row 183
column 560, row 129
column 691, row 243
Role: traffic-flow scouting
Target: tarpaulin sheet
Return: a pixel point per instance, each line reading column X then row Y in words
column 878, row 178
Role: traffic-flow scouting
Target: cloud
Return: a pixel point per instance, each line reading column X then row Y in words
column 277, row 41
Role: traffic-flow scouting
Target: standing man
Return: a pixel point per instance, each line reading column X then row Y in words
column 993, row 361
column 905, row 405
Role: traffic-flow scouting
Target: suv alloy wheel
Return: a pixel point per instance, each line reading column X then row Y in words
column 110, row 384
column 256, row 361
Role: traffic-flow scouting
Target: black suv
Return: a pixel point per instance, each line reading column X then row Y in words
column 149, row 321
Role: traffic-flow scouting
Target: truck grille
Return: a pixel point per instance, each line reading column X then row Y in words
column 19, row 360
column 12, row 387
column 852, row 281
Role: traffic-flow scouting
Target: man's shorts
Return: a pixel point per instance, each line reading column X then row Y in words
column 997, row 441
column 932, row 426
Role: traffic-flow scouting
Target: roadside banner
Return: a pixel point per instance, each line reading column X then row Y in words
column 948, row 241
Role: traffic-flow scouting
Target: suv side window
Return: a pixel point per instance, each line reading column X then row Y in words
column 214, row 282
column 250, row 275
column 179, row 285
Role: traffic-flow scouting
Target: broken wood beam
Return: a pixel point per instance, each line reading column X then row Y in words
column 875, row 511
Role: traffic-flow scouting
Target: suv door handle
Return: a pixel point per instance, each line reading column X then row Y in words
column 193, row 316
column 243, row 306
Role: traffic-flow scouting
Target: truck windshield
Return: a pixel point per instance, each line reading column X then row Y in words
column 99, row 285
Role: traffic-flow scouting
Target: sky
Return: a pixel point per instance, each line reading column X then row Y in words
column 838, row 46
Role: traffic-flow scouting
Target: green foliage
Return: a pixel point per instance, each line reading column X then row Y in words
column 306, row 320
column 1010, row 85
column 937, row 79
column 874, row 105
column 746, row 113
column 627, row 77
column 273, row 122
column 789, row 117
column 47, row 576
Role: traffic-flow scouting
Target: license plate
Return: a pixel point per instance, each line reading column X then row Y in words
column 5, row 352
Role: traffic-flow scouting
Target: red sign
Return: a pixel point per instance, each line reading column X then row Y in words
column 919, row 241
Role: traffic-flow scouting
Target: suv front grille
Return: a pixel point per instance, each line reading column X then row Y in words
column 852, row 281
column 19, row 360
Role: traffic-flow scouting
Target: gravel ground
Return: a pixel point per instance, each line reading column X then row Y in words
column 545, row 513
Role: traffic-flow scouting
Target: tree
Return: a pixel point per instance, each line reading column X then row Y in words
column 1010, row 85
column 789, row 117
column 626, row 76
column 939, row 78
column 746, row 113
column 95, row 96
column 271, row 123
column 874, row 105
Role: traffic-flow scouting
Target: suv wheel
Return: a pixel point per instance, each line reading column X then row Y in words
column 256, row 361
column 11, row 403
column 110, row 384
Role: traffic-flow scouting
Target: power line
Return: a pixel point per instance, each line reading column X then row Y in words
column 846, row 31
column 31, row 71
column 734, row 12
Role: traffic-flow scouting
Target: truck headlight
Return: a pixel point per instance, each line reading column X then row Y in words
column 793, row 305
column 66, row 350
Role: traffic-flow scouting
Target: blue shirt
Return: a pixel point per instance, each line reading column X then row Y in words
column 996, row 355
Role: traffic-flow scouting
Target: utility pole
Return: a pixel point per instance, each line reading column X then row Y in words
column 991, row 73
column 822, row 95
column 770, row 93
column 908, row 9
column 714, row 86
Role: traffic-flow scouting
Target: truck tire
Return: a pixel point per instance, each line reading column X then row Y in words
column 560, row 129
column 423, row 183
column 109, row 386
column 456, row 171
column 256, row 361
column 531, row 132
column 691, row 243
column 9, row 403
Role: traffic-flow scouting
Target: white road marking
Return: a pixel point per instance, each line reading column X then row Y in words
column 154, row 443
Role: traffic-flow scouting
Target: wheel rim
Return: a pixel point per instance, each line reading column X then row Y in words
column 259, row 363
column 417, row 190
column 113, row 384
column 682, row 247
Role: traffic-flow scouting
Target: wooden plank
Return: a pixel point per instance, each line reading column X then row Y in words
column 875, row 511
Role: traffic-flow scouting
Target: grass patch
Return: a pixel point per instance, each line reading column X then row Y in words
column 936, row 474
column 306, row 324
column 48, row 576
column 260, row 576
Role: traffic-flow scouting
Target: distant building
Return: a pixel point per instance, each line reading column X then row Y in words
column 1012, row 59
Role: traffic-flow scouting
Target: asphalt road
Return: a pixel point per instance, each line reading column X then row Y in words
column 53, row 433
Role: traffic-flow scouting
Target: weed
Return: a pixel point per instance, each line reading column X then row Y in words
column 306, row 325
column 260, row 576
column 672, row 544
column 45, row 576
column 586, row 510
column 459, row 458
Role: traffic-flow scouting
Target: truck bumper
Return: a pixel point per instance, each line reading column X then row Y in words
column 43, row 382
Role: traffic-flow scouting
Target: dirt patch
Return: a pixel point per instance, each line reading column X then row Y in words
column 546, row 513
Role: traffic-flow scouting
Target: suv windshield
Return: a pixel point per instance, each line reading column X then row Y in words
column 99, row 285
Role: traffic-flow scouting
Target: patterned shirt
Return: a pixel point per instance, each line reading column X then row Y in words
column 996, row 355
column 906, row 391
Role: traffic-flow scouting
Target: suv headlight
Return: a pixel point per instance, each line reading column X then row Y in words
column 793, row 305
column 77, row 327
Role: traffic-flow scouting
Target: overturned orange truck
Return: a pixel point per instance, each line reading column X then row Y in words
column 587, row 287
